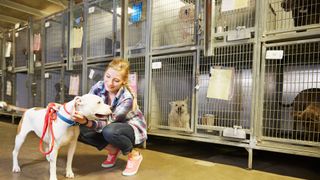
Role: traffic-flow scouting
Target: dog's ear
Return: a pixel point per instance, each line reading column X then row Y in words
column 78, row 100
column 186, row 99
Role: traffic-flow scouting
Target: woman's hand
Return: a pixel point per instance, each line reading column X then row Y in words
column 79, row 118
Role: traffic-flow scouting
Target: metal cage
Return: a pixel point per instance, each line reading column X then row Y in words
column 233, row 107
column 291, row 15
column 173, row 23
column 55, row 35
column 22, row 96
column 100, row 29
column 21, row 47
column 292, row 92
column 172, row 80
column 72, row 83
column 53, row 88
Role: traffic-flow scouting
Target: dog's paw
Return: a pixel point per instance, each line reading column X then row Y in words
column 69, row 174
column 16, row 169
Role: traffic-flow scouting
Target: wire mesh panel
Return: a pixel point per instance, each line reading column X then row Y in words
column 1, row 52
column 95, row 73
column 100, row 24
column 284, row 15
column 137, row 79
column 73, row 83
column 225, row 91
column 36, row 28
column 22, row 90
column 53, row 86
column 172, row 22
column 21, row 47
column 76, row 42
column 233, row 21
column 171, row 92
column 9, row 87
column 56, row 38
column 137, row 26
column 36, row 91
column 8, row 40
column 291, row 98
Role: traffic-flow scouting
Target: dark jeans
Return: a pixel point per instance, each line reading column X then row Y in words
column 120, row 135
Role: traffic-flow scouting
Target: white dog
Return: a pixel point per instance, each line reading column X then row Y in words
column 179, row 115
column 91, row 106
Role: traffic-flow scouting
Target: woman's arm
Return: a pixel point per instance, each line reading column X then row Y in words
column 121, row 110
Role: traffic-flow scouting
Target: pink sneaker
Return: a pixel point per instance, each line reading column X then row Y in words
column 132, row 166
column 111, row 160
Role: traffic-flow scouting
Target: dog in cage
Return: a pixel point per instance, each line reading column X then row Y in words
column 306, row 110
column 186, row 16
column 179, row 115
column 304, row 12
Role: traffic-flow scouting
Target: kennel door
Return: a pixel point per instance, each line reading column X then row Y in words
column 172, row 80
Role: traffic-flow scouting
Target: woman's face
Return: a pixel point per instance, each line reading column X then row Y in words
column 113, row 80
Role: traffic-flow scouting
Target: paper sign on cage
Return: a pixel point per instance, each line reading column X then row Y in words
column 36, row 42
column 77, row 37
column 8, row 49
column 220, row 83
column 133, row 81
column 9, row 88
column 229, row 5
column 74, row 85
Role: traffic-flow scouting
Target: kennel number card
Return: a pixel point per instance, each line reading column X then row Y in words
column 274, row 54
column 156, row 65
column 220, row 83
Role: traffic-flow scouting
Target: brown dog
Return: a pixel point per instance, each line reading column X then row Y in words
column 306, row 110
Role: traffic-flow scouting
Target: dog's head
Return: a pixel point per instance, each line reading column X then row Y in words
column 3, row 105
column 92, row 107
column 180, row 106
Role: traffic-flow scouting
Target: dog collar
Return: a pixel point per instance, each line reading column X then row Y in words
column 68, row 121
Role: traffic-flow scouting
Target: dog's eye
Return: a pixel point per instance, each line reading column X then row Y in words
column 182, row 104
column 176, row 104
column 99, row 102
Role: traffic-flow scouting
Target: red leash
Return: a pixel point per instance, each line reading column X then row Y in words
column 51, row 115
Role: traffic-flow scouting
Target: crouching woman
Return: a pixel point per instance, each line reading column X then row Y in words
column 126, row 127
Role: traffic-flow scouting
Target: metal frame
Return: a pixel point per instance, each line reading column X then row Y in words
column 262, row 38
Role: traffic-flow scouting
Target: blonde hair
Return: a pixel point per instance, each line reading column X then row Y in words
column 123, row 66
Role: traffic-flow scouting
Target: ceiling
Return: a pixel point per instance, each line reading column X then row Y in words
column 19, row 11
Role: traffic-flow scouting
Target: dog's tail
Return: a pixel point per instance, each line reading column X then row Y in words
column 9, row 107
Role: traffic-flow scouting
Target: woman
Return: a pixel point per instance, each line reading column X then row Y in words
column 125, row 128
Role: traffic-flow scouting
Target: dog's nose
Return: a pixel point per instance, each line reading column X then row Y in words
column 179, row 109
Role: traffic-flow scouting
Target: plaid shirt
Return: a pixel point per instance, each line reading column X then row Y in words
column 121, row 111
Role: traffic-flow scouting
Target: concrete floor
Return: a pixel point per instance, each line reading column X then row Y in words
column 163, row 159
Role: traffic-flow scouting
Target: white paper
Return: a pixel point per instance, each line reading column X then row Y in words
column 91, row 73
column 47, row 24
column 274, row 54
column 77, row 37
column 17, row 25
column 9, row 88
column 36, row 42
column 8, row 49
column 46, row 75
column 229, row 5
column 156, row 65
column 74, row 85
column 91, row 10
column 220, row 83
